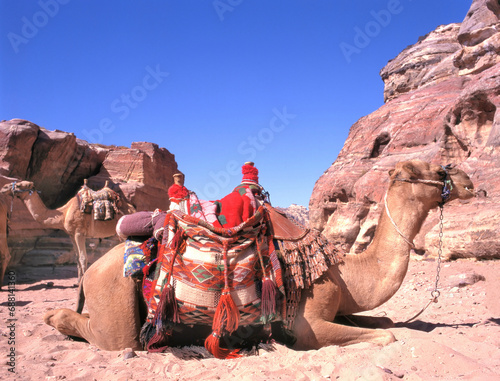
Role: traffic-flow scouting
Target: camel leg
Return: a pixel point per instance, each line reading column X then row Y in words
column 4, row 257
column 319, row 333
column 113, row 321
column 314, row 326
column 365, row 321
column 81, row 252
column 70, row 323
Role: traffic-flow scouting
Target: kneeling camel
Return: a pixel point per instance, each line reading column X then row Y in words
column 359, row 283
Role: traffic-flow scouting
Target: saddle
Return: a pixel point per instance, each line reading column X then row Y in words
column 103, row 203
column 283, row 228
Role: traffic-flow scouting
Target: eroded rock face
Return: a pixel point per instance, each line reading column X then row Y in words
column 57, row 163
column 442, row 105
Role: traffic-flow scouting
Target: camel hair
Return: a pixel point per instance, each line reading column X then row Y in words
column 359, row 283
column 70, row 218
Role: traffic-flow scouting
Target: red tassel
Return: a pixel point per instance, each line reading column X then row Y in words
column 268, row 300
column 157, row 343
column 176, row 240
column 212, row 344
column 227, row 316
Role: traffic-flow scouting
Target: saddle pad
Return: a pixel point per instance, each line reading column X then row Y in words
column 283, row 228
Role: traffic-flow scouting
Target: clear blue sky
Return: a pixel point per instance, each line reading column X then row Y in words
column 217, row 83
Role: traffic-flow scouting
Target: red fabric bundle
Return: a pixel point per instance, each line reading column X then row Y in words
column 177, row 191
column 250, row 173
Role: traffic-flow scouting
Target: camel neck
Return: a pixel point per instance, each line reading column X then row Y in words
column 375, row 275
column 52, row 218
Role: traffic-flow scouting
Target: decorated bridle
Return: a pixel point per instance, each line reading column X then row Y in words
column 17, row 191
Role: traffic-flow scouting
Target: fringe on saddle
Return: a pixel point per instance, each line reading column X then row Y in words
column 227, row 277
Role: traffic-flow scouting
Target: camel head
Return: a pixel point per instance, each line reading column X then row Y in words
column 21, row 188
column 426, row 181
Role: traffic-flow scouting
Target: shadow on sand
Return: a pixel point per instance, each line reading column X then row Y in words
column 419, row 325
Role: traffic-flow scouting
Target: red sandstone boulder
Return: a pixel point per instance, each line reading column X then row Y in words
column 57, row 162
column 442, row 99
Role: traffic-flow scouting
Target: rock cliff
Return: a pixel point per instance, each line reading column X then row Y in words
column 57, row 163
column 442, row 99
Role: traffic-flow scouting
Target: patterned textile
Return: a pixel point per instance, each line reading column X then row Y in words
column 193, row 206
column 133, row 258
column 199, row 262
column 136, row 254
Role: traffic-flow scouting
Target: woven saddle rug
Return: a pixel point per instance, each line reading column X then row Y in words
column 211, row 276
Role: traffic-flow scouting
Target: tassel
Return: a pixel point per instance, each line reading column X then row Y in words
column 268, row 300
column 167, row 309
column 158, row 343
column 212, row 344
column 147, row 332
column 176, row 240
column 227, row 316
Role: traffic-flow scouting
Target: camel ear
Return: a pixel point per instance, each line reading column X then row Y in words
column 391, row 172
column 412, row 170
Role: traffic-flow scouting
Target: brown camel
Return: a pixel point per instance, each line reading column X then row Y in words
column 5, row 202
column 70, row 218
column 360, row 283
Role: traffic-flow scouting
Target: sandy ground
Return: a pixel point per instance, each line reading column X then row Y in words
column 457, row 338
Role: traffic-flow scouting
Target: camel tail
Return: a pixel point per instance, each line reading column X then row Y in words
column 81, row 298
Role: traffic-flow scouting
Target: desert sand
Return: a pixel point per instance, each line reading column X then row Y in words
column 457, row 338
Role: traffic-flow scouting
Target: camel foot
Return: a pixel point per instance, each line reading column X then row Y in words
column 383, row 338
column 63, row 320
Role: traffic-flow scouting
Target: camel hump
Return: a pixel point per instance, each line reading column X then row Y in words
column 284, row 228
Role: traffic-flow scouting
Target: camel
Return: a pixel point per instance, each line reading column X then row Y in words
column 361, row 282
column 70, row 218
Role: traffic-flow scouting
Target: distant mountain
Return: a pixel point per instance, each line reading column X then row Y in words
column 298, row 213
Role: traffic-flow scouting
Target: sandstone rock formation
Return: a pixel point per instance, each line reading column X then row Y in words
column 297, row 213
column 442, row 105
column 57, row 162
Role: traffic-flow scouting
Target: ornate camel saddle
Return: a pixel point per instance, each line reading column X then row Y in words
column 102, row 203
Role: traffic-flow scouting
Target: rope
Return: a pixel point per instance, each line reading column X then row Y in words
column 412, row 245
